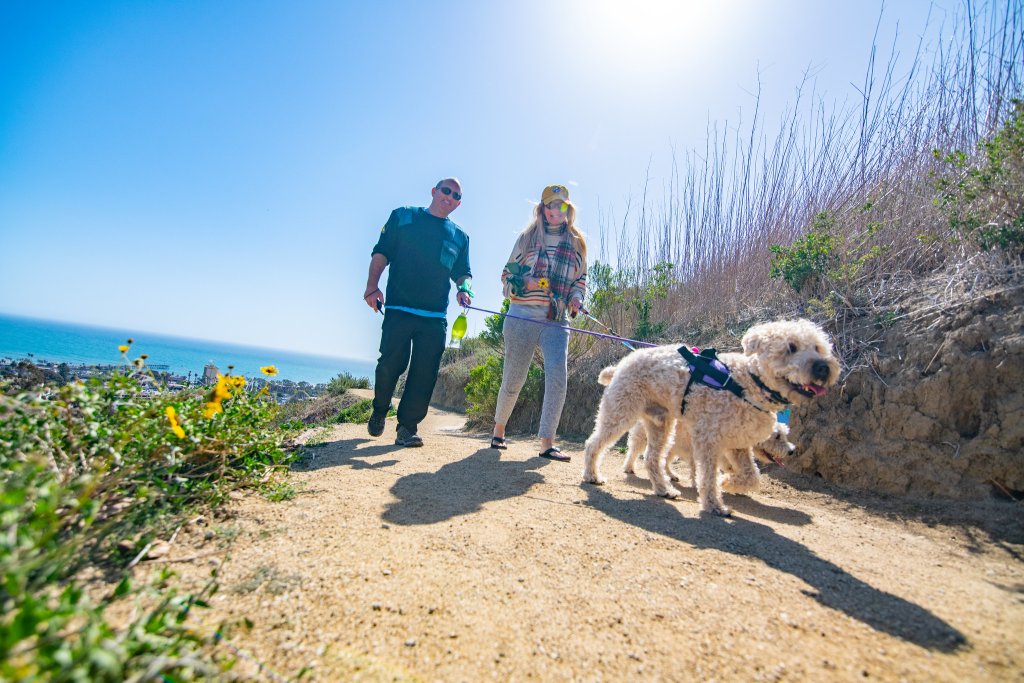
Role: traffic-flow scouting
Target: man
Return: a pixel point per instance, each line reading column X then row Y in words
column 424, row 251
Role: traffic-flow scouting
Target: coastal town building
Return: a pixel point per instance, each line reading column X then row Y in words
column 210, row 373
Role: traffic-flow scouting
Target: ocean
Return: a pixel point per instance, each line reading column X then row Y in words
column 74, row 344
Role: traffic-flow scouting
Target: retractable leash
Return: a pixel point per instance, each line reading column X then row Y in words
column 705, row 368
column 617, row 338
column 610, row 330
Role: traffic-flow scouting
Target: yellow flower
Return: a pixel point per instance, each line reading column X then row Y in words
column 212, row 408
column 237, row 382
column 172, row 417
column 542, row 283
column 269, row 370
column 264, row 391
column 123, row 348
column 221, row 391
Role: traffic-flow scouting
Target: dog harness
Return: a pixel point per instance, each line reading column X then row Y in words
column 707, row 369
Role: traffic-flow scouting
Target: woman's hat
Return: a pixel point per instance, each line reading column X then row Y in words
column 554, row 192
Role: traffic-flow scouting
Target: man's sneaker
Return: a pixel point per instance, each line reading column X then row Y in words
column 376, row 424
column 408, row 438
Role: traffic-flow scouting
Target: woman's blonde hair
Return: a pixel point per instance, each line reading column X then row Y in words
column 534, row 232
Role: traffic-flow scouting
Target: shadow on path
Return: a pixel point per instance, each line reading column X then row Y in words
column 831, row 586
column 344, row 453
column 461, row 487
column 742, row 504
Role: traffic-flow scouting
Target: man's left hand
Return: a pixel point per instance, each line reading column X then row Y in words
column 463, row 299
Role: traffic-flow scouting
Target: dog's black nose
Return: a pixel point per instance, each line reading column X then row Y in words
column 819, row 370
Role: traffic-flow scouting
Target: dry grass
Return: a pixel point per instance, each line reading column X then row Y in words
column 868, row 166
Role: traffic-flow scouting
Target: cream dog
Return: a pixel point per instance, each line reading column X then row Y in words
column 775, row 449
column 782, row 363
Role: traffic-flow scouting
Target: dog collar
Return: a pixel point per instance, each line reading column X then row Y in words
column 772, row 395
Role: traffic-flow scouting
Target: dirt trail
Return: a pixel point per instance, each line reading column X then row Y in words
column 454, row 562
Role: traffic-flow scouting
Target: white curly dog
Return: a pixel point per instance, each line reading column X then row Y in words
column 782, row 363
column 776, row 449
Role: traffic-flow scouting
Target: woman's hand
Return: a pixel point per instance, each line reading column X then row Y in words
column 574, row 307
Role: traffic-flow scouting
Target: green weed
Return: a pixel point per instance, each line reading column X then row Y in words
column 345, row 381
column 359, row 412
column 485, row 381
column 984, row 199
column 90, row 474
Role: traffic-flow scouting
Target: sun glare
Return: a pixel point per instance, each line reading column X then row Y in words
column 649, row 33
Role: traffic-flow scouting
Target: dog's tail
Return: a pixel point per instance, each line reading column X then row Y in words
column 606, row 375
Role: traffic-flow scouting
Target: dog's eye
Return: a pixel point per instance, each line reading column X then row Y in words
column 792, row 347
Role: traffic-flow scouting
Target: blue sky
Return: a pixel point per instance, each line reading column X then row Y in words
column 221, row 169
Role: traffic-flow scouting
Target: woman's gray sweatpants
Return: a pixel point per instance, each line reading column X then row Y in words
column 521, row 338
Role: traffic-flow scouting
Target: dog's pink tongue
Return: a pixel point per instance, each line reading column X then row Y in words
column 815, row 389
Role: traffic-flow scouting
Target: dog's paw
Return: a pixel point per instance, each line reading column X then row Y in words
column 730, row 485
column 596, row 480
column 670, row 492
column 737, row 485
column 718, row 510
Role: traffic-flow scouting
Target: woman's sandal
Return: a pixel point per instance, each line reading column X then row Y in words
column 499, row 443
column 555, row 453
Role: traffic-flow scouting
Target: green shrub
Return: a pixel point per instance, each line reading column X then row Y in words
column 493, row 334
column 482, row 392
column 606, row 288
column 359, row 411
column 656, row 289
column 609, row 289
column 809, row 258
column 825, row 257
column 345, row 381
column 984, row 200
column 91, row 473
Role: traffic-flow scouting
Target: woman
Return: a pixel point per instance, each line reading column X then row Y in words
column 545, row 278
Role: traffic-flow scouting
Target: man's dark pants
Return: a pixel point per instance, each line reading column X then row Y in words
column 404, row 335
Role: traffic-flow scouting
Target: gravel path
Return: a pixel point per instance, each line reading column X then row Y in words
column 455, row 562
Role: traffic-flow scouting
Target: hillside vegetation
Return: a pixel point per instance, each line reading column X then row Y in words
column 897, row 223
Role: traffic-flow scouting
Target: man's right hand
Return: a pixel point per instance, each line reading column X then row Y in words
column 372, row 296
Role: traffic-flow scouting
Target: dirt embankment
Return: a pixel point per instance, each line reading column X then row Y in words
column 937, row 409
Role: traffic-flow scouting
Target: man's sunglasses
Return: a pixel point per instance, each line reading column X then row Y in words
column 455, row 195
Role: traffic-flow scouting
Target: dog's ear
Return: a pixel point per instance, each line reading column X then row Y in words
column 752, row 340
